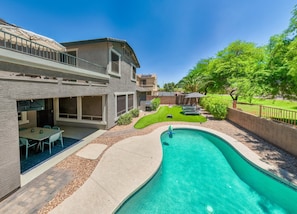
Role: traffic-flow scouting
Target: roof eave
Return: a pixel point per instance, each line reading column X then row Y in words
column 107, row 39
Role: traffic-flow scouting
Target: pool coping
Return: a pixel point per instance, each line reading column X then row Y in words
column 127, row 166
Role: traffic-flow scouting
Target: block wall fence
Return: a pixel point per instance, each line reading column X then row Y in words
column 281, row 135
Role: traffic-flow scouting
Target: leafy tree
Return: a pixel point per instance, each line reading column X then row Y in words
column 190, row 83
column 236, row 67
column 243, row 69
column 169, row 87
column 280, row 63
column 198, row 78
column 289, row 81
column 291, row 31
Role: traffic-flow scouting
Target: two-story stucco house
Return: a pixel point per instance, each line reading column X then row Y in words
column 148, row 82
column 76, row 84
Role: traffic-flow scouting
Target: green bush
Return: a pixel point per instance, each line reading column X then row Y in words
column 155, row 103
column 216, row 106
column 134, row 112
column 125, row 119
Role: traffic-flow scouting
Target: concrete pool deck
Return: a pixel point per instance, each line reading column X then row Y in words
column 124, row 168
column 128, row 165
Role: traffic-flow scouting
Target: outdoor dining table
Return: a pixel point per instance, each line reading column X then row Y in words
column 38, row 134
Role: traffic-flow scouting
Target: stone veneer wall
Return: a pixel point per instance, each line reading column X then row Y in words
column 281, row 135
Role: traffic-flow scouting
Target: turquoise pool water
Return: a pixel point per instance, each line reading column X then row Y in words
column 201, row 173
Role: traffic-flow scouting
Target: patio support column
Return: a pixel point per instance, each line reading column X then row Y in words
column 104, row 108
column 79, row 108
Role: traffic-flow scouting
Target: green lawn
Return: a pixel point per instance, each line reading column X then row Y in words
column 161, row 116
column 254, row 107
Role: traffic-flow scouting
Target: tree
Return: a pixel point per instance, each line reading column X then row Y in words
column 289, row 86
column 169, row 87
column 236, row 67
column 198, row 78
column 291, row 31
column 281, row 65
column 243, row 69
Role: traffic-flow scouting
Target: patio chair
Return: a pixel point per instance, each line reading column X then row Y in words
column 47, row 126
column 27, row 143
column 51, row 140
column 56, row 127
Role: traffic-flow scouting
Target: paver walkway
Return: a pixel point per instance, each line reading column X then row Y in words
column 32, row 197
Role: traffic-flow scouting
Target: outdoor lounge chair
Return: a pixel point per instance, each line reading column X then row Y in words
column 188, row 107
column 196, row 112
column 191, row 110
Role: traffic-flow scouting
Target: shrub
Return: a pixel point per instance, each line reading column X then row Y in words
column 134, row 112
column 155, row 103
column 217, row 107
column 125, row 119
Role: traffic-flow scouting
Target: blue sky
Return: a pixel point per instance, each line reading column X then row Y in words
column 168, row 36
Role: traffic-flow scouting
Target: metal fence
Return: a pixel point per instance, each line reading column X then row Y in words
column 25, row 46
column 278, row 114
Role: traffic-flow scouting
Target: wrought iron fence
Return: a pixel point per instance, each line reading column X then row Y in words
column 25, row 46
column 278, row 114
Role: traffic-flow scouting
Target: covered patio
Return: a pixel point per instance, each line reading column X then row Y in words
column 74, row 139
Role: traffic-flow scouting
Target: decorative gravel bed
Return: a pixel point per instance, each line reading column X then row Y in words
column 82, row 168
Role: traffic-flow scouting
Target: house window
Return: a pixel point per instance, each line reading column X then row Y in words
column 68, row 107
column 121, row 105
column 124, row 103
column 92, row 108
column 115, row 63
column 143, row 82
column 133, row 72
column 82, row 109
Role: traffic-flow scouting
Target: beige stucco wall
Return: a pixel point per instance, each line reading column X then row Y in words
column 281, row 135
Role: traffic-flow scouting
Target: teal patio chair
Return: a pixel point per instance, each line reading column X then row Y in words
column 51, row 140
column 27, row 143
column 56, row 127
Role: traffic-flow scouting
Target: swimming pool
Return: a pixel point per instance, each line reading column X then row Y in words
column 201, row 173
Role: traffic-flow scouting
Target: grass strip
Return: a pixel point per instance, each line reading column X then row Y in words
column 163, row 115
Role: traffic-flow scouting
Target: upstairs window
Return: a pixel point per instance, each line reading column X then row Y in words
column 133, row 72
column 143, row 82
column 115, row 61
